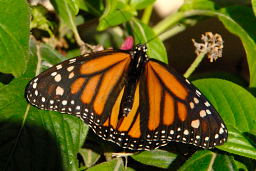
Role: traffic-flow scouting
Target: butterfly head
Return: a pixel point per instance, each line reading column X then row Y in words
column 139, row 53
column 141, row 47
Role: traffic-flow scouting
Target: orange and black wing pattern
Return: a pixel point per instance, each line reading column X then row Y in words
column 174, row 110
column 86, row 86
column 101, row 87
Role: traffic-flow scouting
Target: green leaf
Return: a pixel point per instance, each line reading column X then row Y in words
column 92, row 6
column 144, row 34
column 244, row 26
column 116, row 164
column 198, row 4
column 254, row 6
column 14, row 36
column 90, row 157
column 50, row 55
column 39, row 19
column 67, row 10
column 157, row 158
column 116, row 12
column 207, row 160
column 31, row 137
column 240, row 165
column 236, row 107
column 140, row 4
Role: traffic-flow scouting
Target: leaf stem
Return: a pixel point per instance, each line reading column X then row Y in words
column 168, row 22
column 147, row 14
column 174, row 19
column 177, row 29
column 173, row 31
column 195, row 64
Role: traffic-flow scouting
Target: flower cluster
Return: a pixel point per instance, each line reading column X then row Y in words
column 212, row 45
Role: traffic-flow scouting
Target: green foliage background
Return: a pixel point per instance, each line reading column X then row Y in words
column 33, row 139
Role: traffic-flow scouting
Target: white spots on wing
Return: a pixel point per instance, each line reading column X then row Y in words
column 35, row 80
column 58, row 67
column 71, row 75
column 59, row 91
column 186, row 132
column 72, row 60
column 70, row 68
column 78, row 107
column 195, row 123
column 198, row 93
column 188, row 81
column 196, row 100
column 207, row 104
column 192, row 105
column 51, row 101
column 72, row 102
column 221, row 131
column 34, row 85
column 163, row 131
column 53, row 74
column 57, row 78
column 179, row 129
column 197, row 137
column 216, row 136
column 202, row 113
column 43, row 99
column 171, row 132
column 64, row 102
column 36, row 92
column 208, row 111
column 206, row 138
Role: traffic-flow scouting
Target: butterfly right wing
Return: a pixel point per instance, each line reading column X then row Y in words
column 177, row 111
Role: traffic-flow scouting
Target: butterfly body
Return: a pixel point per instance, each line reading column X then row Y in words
column 129, row 99
column 134, row 73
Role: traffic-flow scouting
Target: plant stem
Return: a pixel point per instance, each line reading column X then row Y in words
column 173, row 19
column 177, row 29
column 173, row 31
column 147, row 14
column 195, row 64
column 168, row 22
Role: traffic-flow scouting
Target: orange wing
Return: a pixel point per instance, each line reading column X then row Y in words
column 166, row 106
column 177, row 111
column 85, row 86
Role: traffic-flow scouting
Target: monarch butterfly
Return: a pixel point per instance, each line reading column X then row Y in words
column 129, row 99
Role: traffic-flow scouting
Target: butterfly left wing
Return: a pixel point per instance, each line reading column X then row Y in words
column 177, row 111
column 84, row 86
